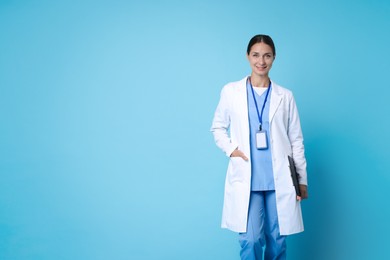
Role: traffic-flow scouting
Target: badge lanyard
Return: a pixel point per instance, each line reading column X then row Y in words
column 261, row 136
column 260, row 116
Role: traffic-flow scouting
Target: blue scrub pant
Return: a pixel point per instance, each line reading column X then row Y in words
column 262, row 229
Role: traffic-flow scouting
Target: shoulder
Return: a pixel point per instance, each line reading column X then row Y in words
column 234, row 86
column 278, row 89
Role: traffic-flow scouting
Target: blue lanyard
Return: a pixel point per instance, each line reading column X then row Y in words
column 260, row 116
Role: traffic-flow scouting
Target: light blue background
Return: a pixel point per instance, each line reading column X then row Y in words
column 105, row 110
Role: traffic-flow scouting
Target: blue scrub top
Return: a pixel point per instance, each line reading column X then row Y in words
column 262, row 172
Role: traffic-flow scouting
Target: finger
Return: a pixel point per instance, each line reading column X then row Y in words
column 299, row 198
column 242, row 155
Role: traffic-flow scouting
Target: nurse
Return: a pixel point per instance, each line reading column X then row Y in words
column 256, row 124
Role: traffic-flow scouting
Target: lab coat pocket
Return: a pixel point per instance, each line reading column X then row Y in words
column 236, row 169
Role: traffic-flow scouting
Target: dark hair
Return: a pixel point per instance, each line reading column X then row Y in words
column 261, row 38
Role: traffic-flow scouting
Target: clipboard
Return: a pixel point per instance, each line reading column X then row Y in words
column 294, row 175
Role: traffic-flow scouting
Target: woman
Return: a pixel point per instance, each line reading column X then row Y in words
column 257, row 125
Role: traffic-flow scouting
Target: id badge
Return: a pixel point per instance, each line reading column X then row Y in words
column 261, row 140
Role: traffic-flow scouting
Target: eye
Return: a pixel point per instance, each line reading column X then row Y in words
column 255, row 55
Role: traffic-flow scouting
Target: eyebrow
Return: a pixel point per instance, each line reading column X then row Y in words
column 255, row 52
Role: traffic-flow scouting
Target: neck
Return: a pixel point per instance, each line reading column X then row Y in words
column 260, row 81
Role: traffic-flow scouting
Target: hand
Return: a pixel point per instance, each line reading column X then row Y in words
column 238, row 153
column 304, row 194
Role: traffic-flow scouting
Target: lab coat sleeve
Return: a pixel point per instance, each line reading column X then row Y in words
column 296, row 140
column 221, row 123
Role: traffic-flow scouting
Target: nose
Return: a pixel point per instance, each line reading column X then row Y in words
column 261, row 60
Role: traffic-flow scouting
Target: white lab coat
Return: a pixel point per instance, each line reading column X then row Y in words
column 286, row 138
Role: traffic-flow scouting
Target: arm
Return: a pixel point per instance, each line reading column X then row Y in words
column 298, row 150
column 221, row 124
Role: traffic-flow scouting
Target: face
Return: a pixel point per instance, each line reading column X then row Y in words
column 261, row 58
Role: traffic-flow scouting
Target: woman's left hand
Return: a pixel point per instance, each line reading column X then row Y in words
column 304, row 194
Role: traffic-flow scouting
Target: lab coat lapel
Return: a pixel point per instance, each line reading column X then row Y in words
column 276, row 99
column 242, row 99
